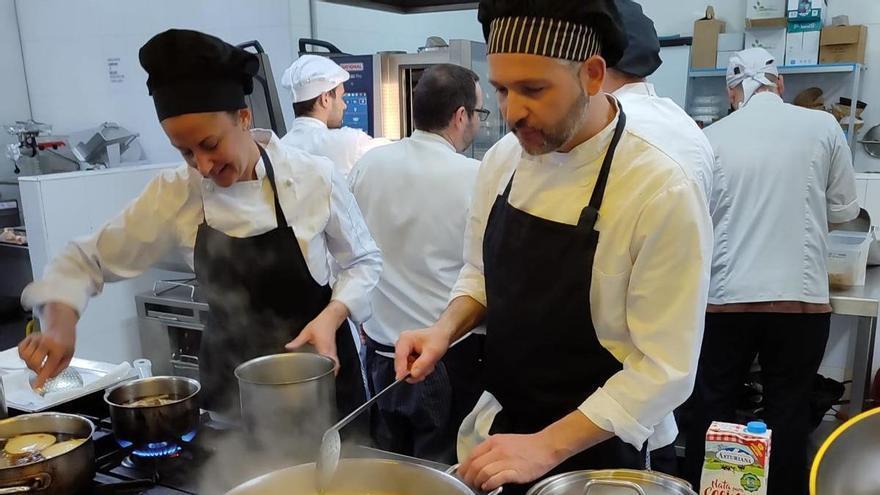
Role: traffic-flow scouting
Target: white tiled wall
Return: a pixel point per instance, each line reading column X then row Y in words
column 67, row 43
column 13, row 88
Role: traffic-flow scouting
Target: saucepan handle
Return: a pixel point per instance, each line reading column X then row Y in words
column 29, row 485
column 452, row 469
column 618, row 483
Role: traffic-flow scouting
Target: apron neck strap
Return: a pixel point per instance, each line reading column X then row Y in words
column 602, row 180
column 270, row 174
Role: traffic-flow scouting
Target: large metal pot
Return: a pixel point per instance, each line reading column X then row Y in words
column 848, row 463
column 358, row 476
column 288, row 400
column 141, row 425
column 612, row 482
column 65, row 474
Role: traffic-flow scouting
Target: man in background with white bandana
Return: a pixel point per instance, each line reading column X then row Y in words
column 587, row 255
column 317, row 85
column 783, row 174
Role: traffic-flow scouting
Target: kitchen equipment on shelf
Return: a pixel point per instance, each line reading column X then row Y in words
column 871, row 141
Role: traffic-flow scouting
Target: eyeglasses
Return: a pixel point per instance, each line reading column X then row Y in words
column 484, row 114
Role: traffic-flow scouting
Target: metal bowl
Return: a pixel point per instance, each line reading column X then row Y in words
column 141, row 425
column 67, row 473
column 612, row 481
column 871, row 141
column 358, row 476
column 848, row 462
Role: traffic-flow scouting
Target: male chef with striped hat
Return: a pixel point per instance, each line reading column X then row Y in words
column 586, row 255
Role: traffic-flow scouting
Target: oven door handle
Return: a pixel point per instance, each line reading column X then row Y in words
column 162, row 316
column 183, row 359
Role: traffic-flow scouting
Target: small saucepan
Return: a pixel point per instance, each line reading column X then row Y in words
column 154, row 410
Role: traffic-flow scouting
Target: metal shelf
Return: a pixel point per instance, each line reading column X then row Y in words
column 853, row 71
column 786, row 70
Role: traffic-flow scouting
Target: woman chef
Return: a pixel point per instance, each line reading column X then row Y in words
column 261, row 224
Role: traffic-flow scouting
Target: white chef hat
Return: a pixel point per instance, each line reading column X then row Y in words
column 750, row 68
column 312, row 75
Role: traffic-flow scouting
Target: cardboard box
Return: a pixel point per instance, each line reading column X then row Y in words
column 772, row 40
column 731, row 42
column 843, row 45
column 802, row 43
column 806, row 10
column 705, row 47
column 765, row 9
column 776, row 22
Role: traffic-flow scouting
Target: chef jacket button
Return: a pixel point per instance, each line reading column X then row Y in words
column 288, row 182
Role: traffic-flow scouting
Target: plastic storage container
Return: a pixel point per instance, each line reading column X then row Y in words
column 848, row 257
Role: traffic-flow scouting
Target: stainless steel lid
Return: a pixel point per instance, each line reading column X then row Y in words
column 612, row 482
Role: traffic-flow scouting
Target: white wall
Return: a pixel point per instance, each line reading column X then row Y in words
column 13, row 89
column 67, row 43
column 360, row 31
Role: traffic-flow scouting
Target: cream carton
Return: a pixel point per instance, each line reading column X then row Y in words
column 737, row 459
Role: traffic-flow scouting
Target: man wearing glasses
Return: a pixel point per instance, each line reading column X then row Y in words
column 415, row 195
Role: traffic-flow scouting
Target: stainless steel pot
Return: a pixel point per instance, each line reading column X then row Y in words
column 849, row 461
column 612, row 482
column 140, row 425
column 67, row 473
column 358, row 476
column 288, row 400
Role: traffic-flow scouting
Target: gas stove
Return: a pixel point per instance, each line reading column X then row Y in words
column 153, row 469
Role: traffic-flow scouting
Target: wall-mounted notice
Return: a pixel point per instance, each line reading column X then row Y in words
column 114, row 70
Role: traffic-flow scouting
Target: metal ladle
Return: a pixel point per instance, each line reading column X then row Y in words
column 331, row 444
column 68, row 379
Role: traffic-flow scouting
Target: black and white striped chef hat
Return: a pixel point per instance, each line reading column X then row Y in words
column 564, row 29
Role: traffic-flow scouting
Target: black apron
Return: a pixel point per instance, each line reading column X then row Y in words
column 261, row 295
column 543, row 358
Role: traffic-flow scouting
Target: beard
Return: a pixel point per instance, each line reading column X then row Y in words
column 537, row 141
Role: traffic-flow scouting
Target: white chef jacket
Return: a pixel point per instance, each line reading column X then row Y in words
column 315, row 199
column 415, row 196
column 343, row 146
column 649, row 279
column 670, row 128
column 783, row 173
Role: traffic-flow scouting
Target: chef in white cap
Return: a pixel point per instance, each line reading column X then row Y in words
column 783, row 174
column 317, row 85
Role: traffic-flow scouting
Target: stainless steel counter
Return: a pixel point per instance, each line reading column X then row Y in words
column 863, row 303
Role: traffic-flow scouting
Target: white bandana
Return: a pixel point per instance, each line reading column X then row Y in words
column 750, row 68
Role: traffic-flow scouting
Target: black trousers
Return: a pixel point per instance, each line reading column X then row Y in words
column 422, row 420
column 789, row 348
